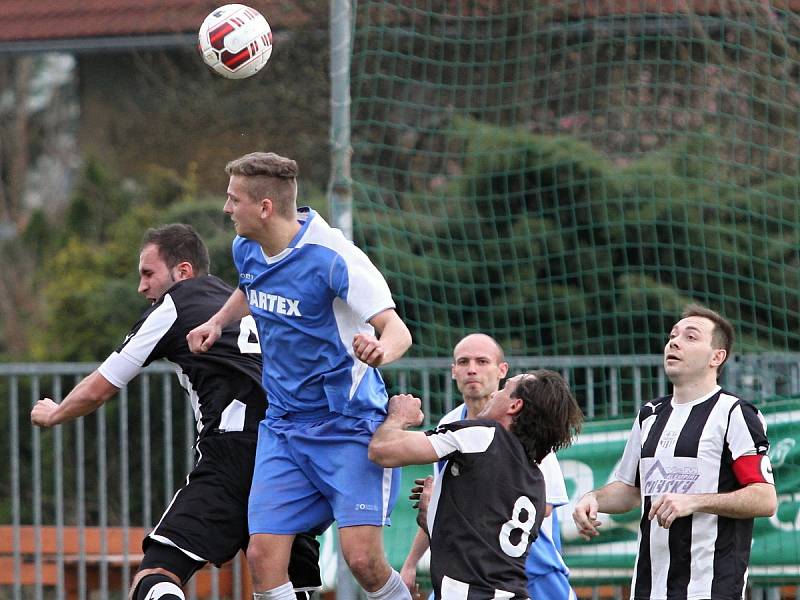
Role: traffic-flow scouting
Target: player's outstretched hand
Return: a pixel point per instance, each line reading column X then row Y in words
column 368, row 349
column 406, row 409
column 585, row 516
column 42, row 411
column 202, row 337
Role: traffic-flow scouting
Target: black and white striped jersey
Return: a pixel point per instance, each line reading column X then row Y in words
column 486, row 509
column 715, row 444
column 223, row 384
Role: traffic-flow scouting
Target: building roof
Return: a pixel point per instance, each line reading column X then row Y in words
column 94, row 24
column 74, row 25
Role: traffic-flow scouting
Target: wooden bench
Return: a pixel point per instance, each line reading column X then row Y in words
column 90, row 556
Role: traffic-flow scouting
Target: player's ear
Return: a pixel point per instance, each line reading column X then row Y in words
column 267, row 207
column 516, row 406
column 718, row 357
column 185, row 270
column 503, row 366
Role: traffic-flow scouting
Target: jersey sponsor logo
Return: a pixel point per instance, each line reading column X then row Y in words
column 668, row 439
column 248, row 276
column 275, row 304
column 364, row 506
column 679, row 476
column 455, row 471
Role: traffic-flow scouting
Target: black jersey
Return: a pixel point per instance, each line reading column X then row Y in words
column 224, row 384
column 485, row 512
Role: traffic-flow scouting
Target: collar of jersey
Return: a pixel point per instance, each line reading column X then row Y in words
column 304, row 216
column 702, row 398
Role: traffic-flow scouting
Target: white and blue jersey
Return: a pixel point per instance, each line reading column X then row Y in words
column 309, row 302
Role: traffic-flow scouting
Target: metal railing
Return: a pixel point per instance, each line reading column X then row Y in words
column 606, row 386
column 119, row 467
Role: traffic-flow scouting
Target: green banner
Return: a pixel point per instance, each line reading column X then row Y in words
column 590, row 463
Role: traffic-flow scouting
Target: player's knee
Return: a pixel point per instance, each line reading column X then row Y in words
column 268, row 559
column 368, row 568
column 157, row 586
column 258, row 555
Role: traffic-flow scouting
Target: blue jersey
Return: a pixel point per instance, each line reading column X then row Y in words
column 308, row 303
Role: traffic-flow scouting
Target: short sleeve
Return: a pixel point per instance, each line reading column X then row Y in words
column 238, row 259
column 118, row 370
column 747, row 440
column 554, row 481
column 747, row 431
column 461, row 436
column 360, row 284
column 628, row 467
column 142, row 345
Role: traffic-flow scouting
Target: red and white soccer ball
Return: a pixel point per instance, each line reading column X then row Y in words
column 235, row 41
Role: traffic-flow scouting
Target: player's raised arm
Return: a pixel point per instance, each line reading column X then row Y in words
column 202, row 337
column 86, row 397
column 392, row 342
column 392, row 445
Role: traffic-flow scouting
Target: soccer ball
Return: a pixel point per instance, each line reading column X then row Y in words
column 235, row 41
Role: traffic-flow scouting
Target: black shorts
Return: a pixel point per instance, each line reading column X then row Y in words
column 207, row 518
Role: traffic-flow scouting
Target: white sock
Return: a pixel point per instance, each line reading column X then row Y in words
column 394, row 589
column 282, row 592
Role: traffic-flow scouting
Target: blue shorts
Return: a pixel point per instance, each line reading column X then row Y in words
column 553, row 585
column 548, row 576
column 311, row 473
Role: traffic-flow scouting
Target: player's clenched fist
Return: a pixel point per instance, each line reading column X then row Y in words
column 202, row 337
column 42, row 411
column 406, row 409
column 368, row 349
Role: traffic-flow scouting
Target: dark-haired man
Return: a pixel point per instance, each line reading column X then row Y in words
column 224, row 387
column 478, row 367
column 326, row 321
column 487, row 506
column 696, row 462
